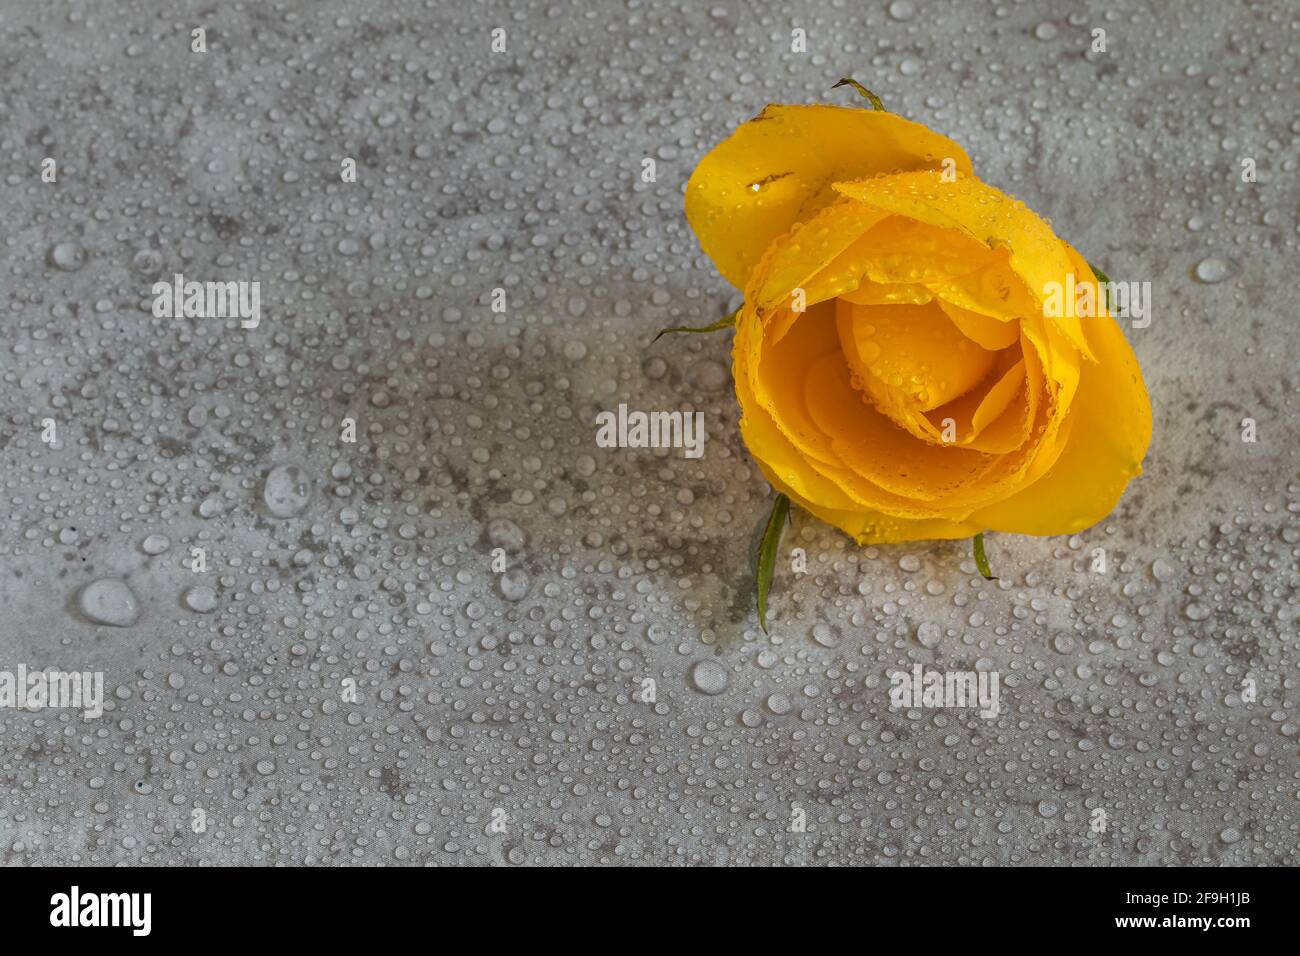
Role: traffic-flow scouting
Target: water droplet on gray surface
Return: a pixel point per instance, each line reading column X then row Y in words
column 779, row 704
column 929, row 634
column 1161, row 569
column 709, row 677
column 287, row 491
column 709, row 375
column 902, row 10
column 108, row 601
column 147, row 262
column 514, row 584
column 211, row 506
column 825, row 635
column 1213, row 269
column 68, row 256
column 201, row 599
column 505, row 534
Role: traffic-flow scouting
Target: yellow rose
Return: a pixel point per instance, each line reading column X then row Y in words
column 897, row 372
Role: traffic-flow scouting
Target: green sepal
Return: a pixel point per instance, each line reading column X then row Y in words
column 726, row 322
column 865, row 93
column 982, row 559
column 767, row 555
column 1101, row 276
column 1103, row 279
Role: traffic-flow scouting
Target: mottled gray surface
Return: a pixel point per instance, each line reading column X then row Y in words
column 521, row 170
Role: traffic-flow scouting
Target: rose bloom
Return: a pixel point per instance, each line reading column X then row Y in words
column 897, row 373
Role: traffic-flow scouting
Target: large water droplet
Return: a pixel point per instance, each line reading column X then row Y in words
column 1213, row 270
column 108, row 601
column 201, row 599
column 514, row 584
column 155, row 544
column 287, row 491
column 929, row 633
column 68, row 256
column 902, row 10
column 709, row 677
column 505, row 534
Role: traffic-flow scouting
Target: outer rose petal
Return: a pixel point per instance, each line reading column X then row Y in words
column 775, row 453
column 868, row 527
column 1110, row 419
column 793, row 154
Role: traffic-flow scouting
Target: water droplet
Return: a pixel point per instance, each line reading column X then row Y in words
column 902, row 10
column 211, row 506
column 825, row 635
column 1213, row 270
column 287, row 491
column 708, row 375
column 505, row 534
column 108, row 601
column 779, row 704
column 201, row 599
column 68, row 256
column 709, row 677
column 514, row 584
column 147, row 262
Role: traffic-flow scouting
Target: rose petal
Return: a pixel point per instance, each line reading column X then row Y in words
column 777, row 169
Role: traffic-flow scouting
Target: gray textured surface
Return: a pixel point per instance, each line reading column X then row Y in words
column 521, row 170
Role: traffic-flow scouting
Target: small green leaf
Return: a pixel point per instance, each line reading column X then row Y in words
column 767, row 555
column 865, row 93
column 982, row 559
column 726, row 322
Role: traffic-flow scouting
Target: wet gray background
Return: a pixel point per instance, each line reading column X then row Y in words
column 522, row 170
